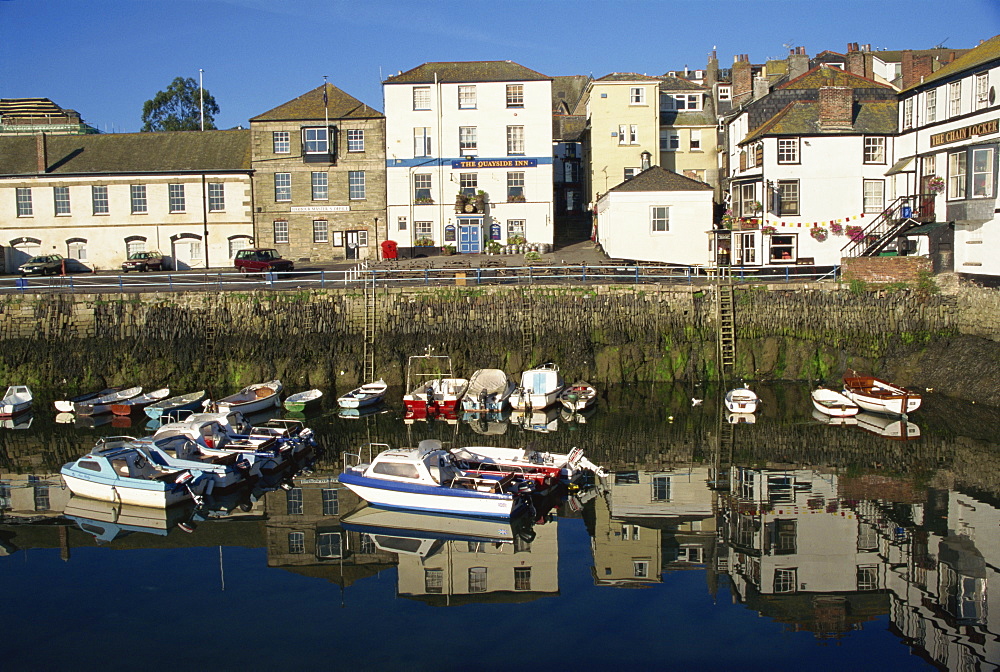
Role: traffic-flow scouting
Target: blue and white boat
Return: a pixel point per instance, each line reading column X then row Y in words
column 178, row 405
column 121, row 472
column 428, row 478
column 539, row 388
column 368, row 394
column 226, row 470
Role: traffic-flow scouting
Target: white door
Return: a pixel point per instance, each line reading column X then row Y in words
column 20, row 254
column 188, row 254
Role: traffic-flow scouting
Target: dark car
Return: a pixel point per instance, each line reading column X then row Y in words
column 261, row 260
column 46, row 264
column 143, row 261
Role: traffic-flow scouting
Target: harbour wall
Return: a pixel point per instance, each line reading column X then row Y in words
column 604, row 333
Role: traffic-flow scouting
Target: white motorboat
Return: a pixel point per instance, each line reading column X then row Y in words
column 578, row 396
column 741, row 400
column 428, row 478
column 535, row 465
column 368, row 394
column 873, row 394
column 17, row 400
column 831, row 402
column 489, row 390
column 539, row 388
column 251, row 399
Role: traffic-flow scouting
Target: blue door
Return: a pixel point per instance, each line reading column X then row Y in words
column 470, row 237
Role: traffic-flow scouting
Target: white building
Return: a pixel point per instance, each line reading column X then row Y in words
column 99, row 198
column 807, row 161
column 947, row 156
column 657, row 216
column 460, row 129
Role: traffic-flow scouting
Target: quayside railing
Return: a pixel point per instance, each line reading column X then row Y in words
column 400, row 276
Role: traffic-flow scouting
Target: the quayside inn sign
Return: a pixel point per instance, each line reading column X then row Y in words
column 494, row 163
column 966, row 132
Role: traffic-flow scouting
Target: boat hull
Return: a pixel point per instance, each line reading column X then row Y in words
column 9, row 410
column 833, row 403
column 403, row 496
column 892, row 406
column 158, row 410
column 537, row 402
column 160, row 497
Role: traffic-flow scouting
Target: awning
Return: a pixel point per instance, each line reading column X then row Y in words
column 901, row 166
column 925, row 229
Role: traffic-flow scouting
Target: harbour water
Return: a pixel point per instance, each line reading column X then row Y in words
column 784, row 543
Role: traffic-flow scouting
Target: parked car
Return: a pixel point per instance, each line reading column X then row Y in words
column 46, row 264
column 143, row 261
column 261, row 260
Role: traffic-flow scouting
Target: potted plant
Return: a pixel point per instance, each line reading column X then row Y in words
column 837, row 229
column 819, row 233
column 533, row 255
column 755, row 207
column 461, row 200
column 854, row 233
column 768, row 229
column 423, row 242
column 516, row 198
column 423, row 200
column 493, row 247
column 935, row 185
column 448, row 250
column 516, row 239
column 480, row 201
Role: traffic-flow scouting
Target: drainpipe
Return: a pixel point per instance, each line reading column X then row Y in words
column 204, row 214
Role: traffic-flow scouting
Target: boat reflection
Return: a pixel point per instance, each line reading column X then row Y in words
column 578, row 417
column 834, row 419
column 20, row 421
column 354, row 413
column 891, row 427
column 543, row 421
column 492, row 423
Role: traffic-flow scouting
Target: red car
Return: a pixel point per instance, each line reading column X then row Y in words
column 261, row 260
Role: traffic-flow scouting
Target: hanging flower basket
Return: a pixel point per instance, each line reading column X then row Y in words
column 819, row 233
column 855, row 233
column 935, row 185
column 768, row 229
column 837, row 229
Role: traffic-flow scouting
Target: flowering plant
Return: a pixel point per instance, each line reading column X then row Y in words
column 935, row 184
column 727, row 219
column 768, row 229
column 837, row 228
column 819, row 233
column 854, row 233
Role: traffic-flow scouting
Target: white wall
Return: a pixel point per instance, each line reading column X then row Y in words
column 624, row 228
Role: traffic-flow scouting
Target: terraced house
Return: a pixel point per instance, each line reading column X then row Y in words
column 319, row 177
column 99, row 198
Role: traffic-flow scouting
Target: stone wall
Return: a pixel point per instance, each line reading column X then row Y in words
column 608, row 334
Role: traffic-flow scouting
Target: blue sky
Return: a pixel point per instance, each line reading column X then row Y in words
column 104, row 58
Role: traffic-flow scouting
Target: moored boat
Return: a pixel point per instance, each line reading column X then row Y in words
column 120, row 472
column 368, row 394
column 431, row 385
column 173, row 406
column 300, row 401
column 130, row 406
column 741, row 400
column 578, row 396
column 831, row 402
column 534, row 465
column 427, row 478
column 251, row 399
column 489, row 390
column 17, row 400
column 100, row 405
column 874, row 394
column 539, row 388
column 66, row 405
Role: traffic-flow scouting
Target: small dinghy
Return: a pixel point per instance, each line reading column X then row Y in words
column 578, row 396
column 368, row 394
column 103, row 404
column 742, row 400
column 831, row 402
column 300, row 401
column 130, row 406
column 251, row 399
column 17, row 400
column 175, row 406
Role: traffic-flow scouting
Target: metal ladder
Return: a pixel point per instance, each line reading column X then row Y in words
column 726, row 322
column 369, row 329
column 527, row 324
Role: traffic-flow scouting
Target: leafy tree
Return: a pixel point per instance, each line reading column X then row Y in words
column 179, row 108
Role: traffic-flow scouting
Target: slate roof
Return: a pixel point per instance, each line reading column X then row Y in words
column 657, row 178
column 984, row 53
column 568, row 128
column 626, row 77
column 802, row 118
column 458, row 72
column 668, row 83
column 567, row 91
column 821, row 76
column 310, row 105
column 117, row 153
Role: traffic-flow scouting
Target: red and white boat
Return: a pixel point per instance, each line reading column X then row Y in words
column 431, row 386
column 541, row 467
column 873, row 394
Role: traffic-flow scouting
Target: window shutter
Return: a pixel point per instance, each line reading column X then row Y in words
column 743, row 160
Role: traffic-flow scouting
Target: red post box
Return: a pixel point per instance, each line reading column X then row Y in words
column 388, row 249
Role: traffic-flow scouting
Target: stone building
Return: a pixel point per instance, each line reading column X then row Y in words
column 319, row 177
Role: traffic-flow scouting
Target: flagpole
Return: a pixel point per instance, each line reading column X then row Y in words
column 201, row 97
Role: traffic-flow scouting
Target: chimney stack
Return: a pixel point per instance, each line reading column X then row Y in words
column 798, row 63
column 914, row 68
column 41, row 153
column 742, row 79
column 836, row 108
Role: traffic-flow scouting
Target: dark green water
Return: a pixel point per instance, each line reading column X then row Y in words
column 783, row 544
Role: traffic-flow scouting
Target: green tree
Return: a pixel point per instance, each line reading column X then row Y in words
column 179, row 108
